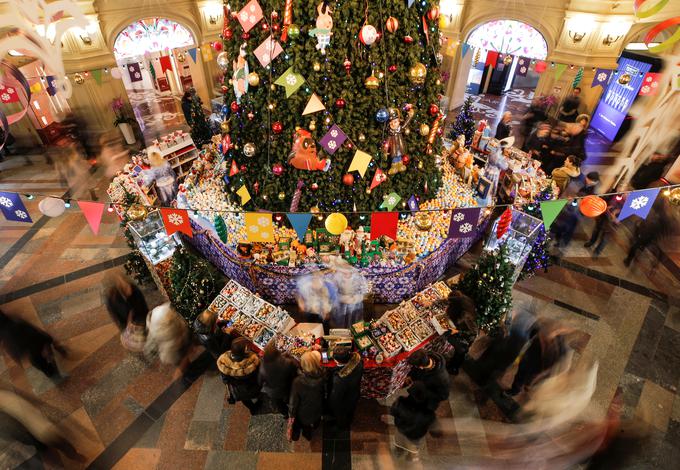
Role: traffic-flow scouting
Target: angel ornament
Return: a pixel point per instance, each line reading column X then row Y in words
column 395, row 142
column 324, row 24
column 240, row 76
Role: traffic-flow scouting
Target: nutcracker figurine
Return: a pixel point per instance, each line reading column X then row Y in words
column 395, row 143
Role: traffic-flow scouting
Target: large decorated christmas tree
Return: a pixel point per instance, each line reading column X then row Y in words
column 331, row 105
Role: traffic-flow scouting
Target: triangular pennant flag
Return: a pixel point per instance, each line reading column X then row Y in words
column 13, row 208
column 384, row 223
column 522, row 66
column 250, row 15
column 176, row 220
column 51, row 86
column 413, row 203
column 268, row 51
column 300, row 222
column 491, row 58
column 290, row 80
column 650, row 84
column 93, row 212
column 601, row 78
column 639, row 203
column 234, row 168
column 360, row 162
column 134, row 71
column 314, row 105
column 378, row 178
column 192, row 53
column 559, row 70
column 465, row 47
column 206, row 52
column 259, row 227
column 97, row 75
column 410, row 3
column 243, row 194
column 463, row 222
column 390, row 201
column 166, row 64
column 550, row 210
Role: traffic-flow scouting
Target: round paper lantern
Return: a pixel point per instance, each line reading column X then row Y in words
column 115, row 73
column 392, row 24
column 592, row 206
column 52, row 206
column 368, row 35
column 336, row 223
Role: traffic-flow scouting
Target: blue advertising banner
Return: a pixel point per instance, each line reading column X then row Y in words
column 618, row 97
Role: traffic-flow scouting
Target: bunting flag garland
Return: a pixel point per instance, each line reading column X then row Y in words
column 465, row 47
column 413, row 203
column 333, row 139
column 639, row 203
column 268, row 51
column 93, row 212
column 300, row 222
column 540, row 66
column 51, row 88
column 391, row 201
column 192, row 53
column 601, row 78
column 384, row 223
column 134, row 71
column 522, row 66
column 206, row 52
column 360, row 162
column 234, row 168
column 97, row 75
column 243, row 194
column 8, row 94
column 314, row 105
column 559, row 70
column 378, row 177
column 259, row 227
column 491, row 58
column 13, row 208
column 463, row 222
column 250, row 15
column 504, row 222
column 650, row 84
column 176, row 220
column 550, row 210
column 290, row 80
column 166, row 63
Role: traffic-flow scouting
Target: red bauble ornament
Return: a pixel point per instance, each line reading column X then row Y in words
column 433, row 110
column 250, row 116
column 433, row 14
column 314, row 186
column 256, row 187
column 277, row 169
column 277, row 127
column 340, row 103
column 392, row 24
column 217, row 46
column 408, row 39
column 234, row 107
column 243, row 168
column 348, row 65
column 405, row 159
column 228, row 34
column 504, row 222
column 265, row 26
column 275, row 15
column 245, row 36
column 348, row 179
column 392, row 68
column 224, row 89
column 276, row 27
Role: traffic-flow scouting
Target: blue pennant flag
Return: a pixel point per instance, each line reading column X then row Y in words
column 639, row 203
column 413, row 204
column 465, row 47
column 13, row 208
column 300, row 222
column 192, row 52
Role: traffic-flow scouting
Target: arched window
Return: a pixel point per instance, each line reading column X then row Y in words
column 509, row 37
column 151, row 35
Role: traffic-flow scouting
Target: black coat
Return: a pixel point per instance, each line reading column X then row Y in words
column 306, row 399
column 502, row 131
column 212, row 338
column 345, row 390
column 436, row 380
column 240, row 375
column 21, row 339
column 411, row 418
column 120, row 306
column 277, row 377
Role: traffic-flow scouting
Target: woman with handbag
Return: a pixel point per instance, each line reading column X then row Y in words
column 306, row 397
column 239, row 368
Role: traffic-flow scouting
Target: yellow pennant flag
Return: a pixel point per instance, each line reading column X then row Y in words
column 259, row 227
column 243, row 194
column 206, row 51
column 36, row 87
column 360, row 162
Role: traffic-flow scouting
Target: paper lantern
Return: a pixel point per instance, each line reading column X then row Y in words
column 336, row 223
column 593, row 206
column 52, row 206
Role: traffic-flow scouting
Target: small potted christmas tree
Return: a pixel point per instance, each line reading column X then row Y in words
column 464, row 123
column 123, row 121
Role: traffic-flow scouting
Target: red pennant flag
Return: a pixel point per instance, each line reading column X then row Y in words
column 166, row 64
column 8, row 94
column 234, row 168
column 540, row 66
column 384, row 223
column 93, row 212
column 378, row 178
column 650, row 84
column 491, row 58
column 176, row 220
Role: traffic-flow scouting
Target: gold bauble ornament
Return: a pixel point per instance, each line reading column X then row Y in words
column 424, row 130
column 420, row 165
column 362, row 137
column 312, row 126
column 272, row 87
column 437, row 82
column 79, row 79
column 417, row 74
column 181, row 57
column 137, row 212
column 407, row 131
column 282, row 196
column 372, row 82
column 368, row 190
column 253, row 79
column 224, row 126
column 674, row 197
column 314, row 210
column 507, row 60
column 423, row 221
column 316, row 66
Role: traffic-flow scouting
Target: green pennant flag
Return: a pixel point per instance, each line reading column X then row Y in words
column 559, row 70
column 550, row 210
column 391, row 200
column 97, row 75
column 290, row 80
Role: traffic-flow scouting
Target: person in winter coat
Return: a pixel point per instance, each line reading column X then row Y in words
column 276, row 375
column 412, row 418
column 211, row 335
column 239, row 368
column 345, row 385
column 562, row 176
column 430, row 368
column 128, row 310
column 461, row 310
column 168, row 335
column 306, row 397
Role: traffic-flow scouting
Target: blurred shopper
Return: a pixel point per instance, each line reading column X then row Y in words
column 538, row 143
column 128, row 310
column 75, row 170
column 276, row 375
column 316, row 297
column 461, row 310
column 306, row 397
column 186, row 106
column 658, row 225
column 413, row 417
column 569, row 110
column 164, row 176
column 557, row 144
column 429, row 368
column 345, row 385
column 605, row 226
column 534, row 115
column 239, row 368
column 651, row 171
column 113, row 155
column 562, row 176
column 168, row 335
column 351, row 288
column 504, row 129
column 211, row 334
column 22, row 340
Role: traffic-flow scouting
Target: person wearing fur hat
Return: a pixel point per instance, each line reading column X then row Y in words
column 345, row 385
column 239, row 368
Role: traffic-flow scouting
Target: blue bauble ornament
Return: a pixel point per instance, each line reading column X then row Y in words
column 382, row 115
column 224, row 110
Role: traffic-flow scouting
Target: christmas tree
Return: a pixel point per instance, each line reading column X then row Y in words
column 538, row 259
column 309, row 83
column 135, row 265
column 194, row 282
column 489, row 285
column 464, row 123
column 200, row 129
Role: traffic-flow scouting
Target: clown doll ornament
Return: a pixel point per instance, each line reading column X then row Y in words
column 240, row 76
column 303, row 155
column 395, row 143
column 324, row 24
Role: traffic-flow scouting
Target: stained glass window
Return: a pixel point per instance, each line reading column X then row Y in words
column 509, row 37
column 150, row 35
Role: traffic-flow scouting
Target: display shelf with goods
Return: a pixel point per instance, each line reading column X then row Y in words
column 178, row 149
column 151, row 239
column 128, row 186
